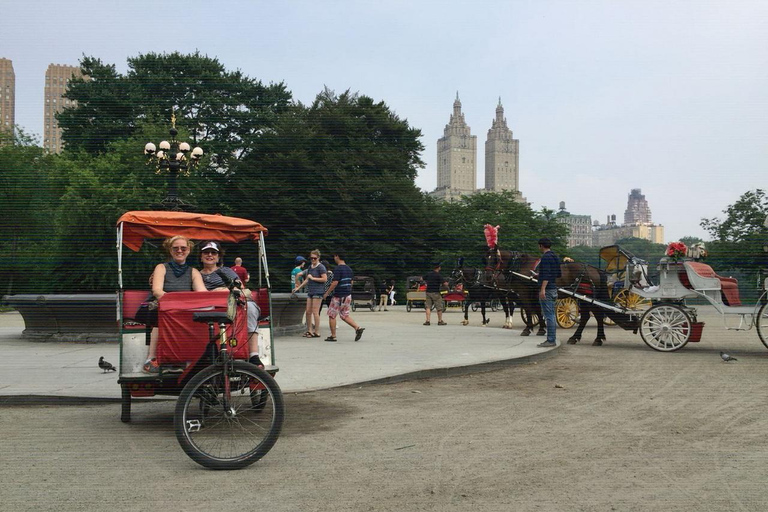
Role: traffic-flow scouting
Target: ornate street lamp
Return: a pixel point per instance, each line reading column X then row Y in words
column 175, row 158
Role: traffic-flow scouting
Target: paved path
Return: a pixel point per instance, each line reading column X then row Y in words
column 395, row 346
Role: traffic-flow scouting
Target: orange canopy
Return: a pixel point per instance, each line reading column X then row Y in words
column 140, row 225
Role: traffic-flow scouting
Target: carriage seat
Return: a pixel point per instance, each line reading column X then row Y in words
column 261, row 297
column 132, row 299
column 700, row 276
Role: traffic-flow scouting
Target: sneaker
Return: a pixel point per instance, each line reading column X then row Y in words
column 151, row 366
column 359, row 333
column 426, row 323
column 547, row 344
column 254, row 360
column 441, row 323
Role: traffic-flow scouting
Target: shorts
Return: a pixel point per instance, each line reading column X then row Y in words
column 340, row 306
column 315, row 295
column 254, row 312
column 436, row 299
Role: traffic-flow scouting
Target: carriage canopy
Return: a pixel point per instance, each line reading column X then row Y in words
column 140, row 225
column 616, row 258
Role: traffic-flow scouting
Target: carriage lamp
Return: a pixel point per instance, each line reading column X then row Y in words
column 176, row 158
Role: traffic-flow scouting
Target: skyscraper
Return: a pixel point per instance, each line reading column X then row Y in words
column 456, row 158
column 501, row 156
column 7, row 95
column 637, row 211
column 56, row 78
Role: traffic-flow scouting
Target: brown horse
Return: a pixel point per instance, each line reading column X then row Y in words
column 578, row 277
column 483, row 292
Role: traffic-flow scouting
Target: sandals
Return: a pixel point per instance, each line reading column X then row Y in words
column 330, row 338
column 359, row 333
column 307, row 335
column 315, row 335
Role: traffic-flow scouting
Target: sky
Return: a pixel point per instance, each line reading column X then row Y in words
column 604, row 96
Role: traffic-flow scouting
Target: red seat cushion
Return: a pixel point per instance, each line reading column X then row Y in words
column 132, row 299
column 729, row 287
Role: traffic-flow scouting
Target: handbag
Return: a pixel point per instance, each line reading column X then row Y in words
column 147, row 312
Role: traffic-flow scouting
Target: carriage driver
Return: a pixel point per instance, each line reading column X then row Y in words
column 549, row 271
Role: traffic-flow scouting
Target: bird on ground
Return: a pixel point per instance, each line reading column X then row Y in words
column 726, row 358
column 106, row 365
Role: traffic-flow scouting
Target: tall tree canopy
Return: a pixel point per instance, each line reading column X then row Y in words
column 225, row 111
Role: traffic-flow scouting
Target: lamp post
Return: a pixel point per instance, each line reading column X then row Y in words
column 175, row 158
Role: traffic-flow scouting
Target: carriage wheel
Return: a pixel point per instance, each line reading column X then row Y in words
column 665, row 328
column 761, row 322
column 524, row 316
column 566, row 312
column 631, row 300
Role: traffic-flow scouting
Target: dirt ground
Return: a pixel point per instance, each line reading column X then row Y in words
column 618, row 427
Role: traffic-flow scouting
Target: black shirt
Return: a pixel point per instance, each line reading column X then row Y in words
column 434, row 281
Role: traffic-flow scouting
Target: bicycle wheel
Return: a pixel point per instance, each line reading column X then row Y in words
column 233, row 435
column 761, row 322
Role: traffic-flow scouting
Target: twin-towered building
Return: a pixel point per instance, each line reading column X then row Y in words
column 457, row 158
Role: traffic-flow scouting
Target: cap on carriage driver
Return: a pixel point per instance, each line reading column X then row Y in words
column 211, row 245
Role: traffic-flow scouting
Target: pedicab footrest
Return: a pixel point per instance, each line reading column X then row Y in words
column 215, row 317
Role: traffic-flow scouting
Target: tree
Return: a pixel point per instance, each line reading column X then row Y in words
column 739, row 238
column 744, row 220
column 463, row 221
column 29, row 191
column 224, row 111
column 340, row 174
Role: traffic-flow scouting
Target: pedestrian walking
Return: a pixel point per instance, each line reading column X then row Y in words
column 328, row 281
column 341, row 289
column 434, row 281
column 549, row 271
column 383, row 294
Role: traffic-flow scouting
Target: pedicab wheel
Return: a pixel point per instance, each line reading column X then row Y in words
column 665, row 328
column 474, row 306
column 566, row 312
column 125, row 413
column 408, row 306
column 353, row 306
column 761, row 322
column 372, row 305
column 238, row 434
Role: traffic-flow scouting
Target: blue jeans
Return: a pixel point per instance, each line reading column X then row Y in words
column 548, row 310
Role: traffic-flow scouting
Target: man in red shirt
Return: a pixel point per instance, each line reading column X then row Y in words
column 240, row 270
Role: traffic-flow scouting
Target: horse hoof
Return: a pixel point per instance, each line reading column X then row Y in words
column 598, row 342
column 464, row 322
column 541, row 333
column 525, row 333
column 573, row 340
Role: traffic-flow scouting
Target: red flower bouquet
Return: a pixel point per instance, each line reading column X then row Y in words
column 676, row 250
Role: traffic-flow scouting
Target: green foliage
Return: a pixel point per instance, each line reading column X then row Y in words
column 745, row 219
column 339, row 175
column 462, row 227
column 224, row 111
column 28, row 187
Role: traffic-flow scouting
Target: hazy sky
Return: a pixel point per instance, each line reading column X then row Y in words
column 604, row 96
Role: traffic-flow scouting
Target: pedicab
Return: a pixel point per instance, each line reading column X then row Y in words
column 229, row 412
column 364, row 293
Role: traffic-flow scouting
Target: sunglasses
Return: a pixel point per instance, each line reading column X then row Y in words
column 211, row 251
column 313, row 258
column 180, row 249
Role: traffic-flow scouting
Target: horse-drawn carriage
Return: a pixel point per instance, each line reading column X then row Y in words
column 364, row 293
column 416, row 296
column 613, row 261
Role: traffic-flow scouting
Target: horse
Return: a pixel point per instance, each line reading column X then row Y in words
column 503, row 266
column 579, row 277
column 482, row 291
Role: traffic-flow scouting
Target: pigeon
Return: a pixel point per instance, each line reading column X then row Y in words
column 106, row 365
column 725, row 357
